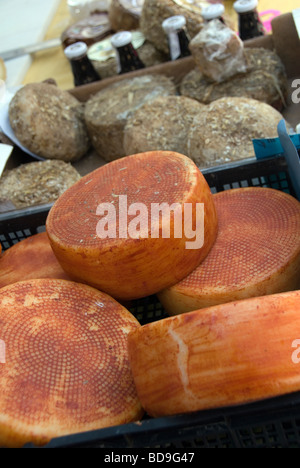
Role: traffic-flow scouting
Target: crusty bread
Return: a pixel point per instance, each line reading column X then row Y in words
column 224, row 131
column 263, row 66
column 229, row 354
column 161, row 124
column 257, row 252
column 66, row 366
column 95, row 243
column 106, row 112
column 124, row 15
column 49, row 122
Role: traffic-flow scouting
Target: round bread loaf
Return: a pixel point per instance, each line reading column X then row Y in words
column 257, row 252
column 124, row 228
column 225, row 355
column 263, row 66
column 157, row 125
column 224, row 131
column 49, row 122
column 66, row 364
column 31, row 258
column 37, row 183
column 106, row 112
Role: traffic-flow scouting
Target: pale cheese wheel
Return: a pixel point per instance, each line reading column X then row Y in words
column 107, row 112
column 229, row 354
column 257, row 252
column 156, row 126
column 65, row 368
column 31, row 258
column 126, row 249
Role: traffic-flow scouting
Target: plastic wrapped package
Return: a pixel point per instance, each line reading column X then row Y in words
column 218, row 52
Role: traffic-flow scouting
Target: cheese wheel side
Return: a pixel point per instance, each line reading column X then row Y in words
column 230, row 354
column 136, row 264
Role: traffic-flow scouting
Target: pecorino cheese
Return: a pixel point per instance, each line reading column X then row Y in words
column 229, row 354
column 124, row 15
column 257, row 252
column 31, row 258
column 156, row 126
column 106, row 112
column 119, row 230
column 66, row 366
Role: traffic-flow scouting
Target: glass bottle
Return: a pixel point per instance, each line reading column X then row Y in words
column 174, row 27
column 212, row 12
column 249, row 22
column 127, row 57
column 82, row 68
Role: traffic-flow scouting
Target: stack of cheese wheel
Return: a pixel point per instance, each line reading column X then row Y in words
column 31, row 258
column 224, row 355
column 66, row 367
column 257, row 252
column 104, row 232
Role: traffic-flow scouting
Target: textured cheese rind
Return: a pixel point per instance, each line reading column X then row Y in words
column 31, row 258
column 156, row 126
column 107, row 112
column 229, row 354
column 262, row 65
column 66, row 364
column 230, row 123
column 257, row 252
column 49, row 122
column 124, row 14
column 129, row 268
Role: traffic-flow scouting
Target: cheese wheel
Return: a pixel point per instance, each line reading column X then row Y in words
column 66, row 367
column 102, row 238
column 31, row 258
column 229, row 354
column 257, row 252
column 124, row 15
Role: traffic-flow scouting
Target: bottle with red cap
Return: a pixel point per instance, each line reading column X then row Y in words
column 250, row 25
column 82, row 68
column 178, row 39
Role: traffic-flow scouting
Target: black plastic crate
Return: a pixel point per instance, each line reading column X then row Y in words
column 271, row 423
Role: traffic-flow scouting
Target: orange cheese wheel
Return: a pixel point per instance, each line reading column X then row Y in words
column 65, row 368
column 228, row 354
column 31, row 258
column 133, row 264
column 257, row 252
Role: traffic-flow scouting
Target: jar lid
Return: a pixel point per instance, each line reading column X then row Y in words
column 173, row 23
column 213, row 11
column 121, row 39
column 242, row 6
column 76, row 50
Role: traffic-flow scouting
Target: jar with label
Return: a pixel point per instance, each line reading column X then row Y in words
column 212, row 12
column 250, row 25
column 174, row 27
column 127, row 57
column 82, row 68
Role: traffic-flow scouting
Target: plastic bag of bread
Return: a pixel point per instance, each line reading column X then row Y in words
column 218, row 52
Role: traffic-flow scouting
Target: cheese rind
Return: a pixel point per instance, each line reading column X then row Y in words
column 229, row 354
column 257, row 252
column 66, row 364
column 125, row 264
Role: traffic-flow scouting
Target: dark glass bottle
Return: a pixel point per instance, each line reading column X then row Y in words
column 250, row 25
column 82, row 68
column 178, row 40
column 127, row 57
column 213, row 12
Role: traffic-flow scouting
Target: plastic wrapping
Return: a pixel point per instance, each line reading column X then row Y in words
column 218, row 52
